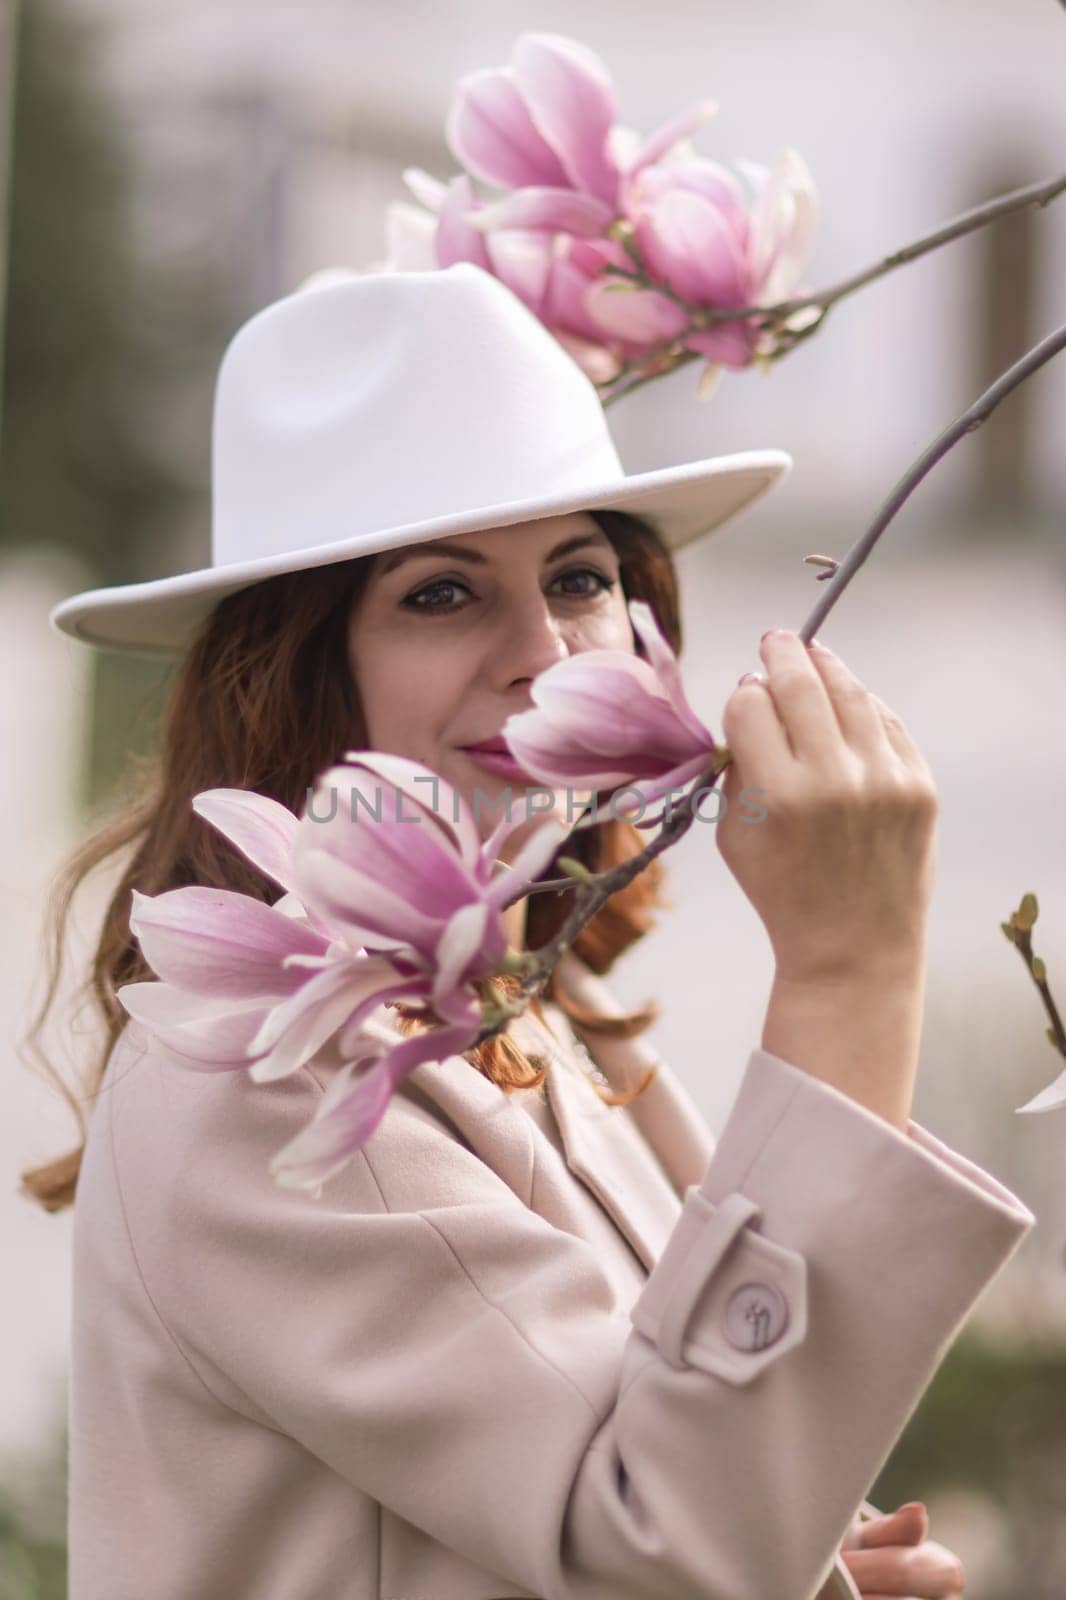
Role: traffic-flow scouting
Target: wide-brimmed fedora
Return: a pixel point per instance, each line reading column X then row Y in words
column 370, row 410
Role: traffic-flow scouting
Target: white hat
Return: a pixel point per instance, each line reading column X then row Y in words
column 367, row 411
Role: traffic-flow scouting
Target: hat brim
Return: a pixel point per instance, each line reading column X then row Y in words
column 161, row 618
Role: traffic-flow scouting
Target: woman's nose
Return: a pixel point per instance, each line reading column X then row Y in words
column 531, row 639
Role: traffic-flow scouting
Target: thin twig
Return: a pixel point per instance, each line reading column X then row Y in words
column 770, row 317
column 970, row 420
column 537, row 965
column 534, row 967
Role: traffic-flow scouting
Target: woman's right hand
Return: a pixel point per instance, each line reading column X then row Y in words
column 841, row 867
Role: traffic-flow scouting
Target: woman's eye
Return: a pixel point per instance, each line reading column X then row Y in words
column 414, row 601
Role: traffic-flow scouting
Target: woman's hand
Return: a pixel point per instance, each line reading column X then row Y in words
column 895, row 1558
column 841, row 867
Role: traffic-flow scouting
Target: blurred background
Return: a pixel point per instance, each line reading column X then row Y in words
column 168, row 170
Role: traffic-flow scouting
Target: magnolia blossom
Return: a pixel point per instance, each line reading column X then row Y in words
column 602, row 718
column 544, row 128
column 381, row 906
column 1050, row 1099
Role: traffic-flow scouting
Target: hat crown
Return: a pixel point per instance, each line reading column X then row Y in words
column 380, row 400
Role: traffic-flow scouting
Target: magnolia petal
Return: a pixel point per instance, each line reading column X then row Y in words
column 293, row 1030
column 330, row 1140
column 220, row 943
column 427, row 190
column 642, row 316
column 490, row 132
column 572, row 103
column 670, row 133
column 688, row 244
column 783, row 223
column 528, row 864
column 664, row 664
column 209, row 1033
column 459, row 946
column 599, row 364
column 427, row 789
column 1049, row 1099
column 521, row 258
column 262, row 829
column 456, row 240
column 412, row 992
column 370, row 914
column 549, row 210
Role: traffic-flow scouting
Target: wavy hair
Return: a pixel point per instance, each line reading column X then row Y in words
column 264, row 699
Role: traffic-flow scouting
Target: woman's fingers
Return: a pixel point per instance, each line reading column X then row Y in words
column 857, row 711
column 756, row 736
column 898, row 1559
column 927, row 1571
column 909, row 1524
column 800, row 697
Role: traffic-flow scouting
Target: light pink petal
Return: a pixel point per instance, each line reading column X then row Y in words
column 680, row 126
column 456, row 240
column 687, row 243
column 490, row 132
column 784, row 222
column 571, row 101
column 262, row 829
column 521, row 259
column 333, row 1138
column 664, row 664
column 217, row 942
column 427, row 190
column 297, row 1027
column 731, row 344
column 459, row 948
column 398, row 847
column 425, row 788
column 529, row 862
column 611, row 714
column 210, row 1034
column 369, row 913
column 597, row 362
column 696, row 175
column 643, row 316
column 549, row 210
column 1050, row 1099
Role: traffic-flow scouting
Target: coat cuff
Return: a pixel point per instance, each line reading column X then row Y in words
column 804, row 1179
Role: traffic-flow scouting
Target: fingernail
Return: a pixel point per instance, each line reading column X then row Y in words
column 751, row 677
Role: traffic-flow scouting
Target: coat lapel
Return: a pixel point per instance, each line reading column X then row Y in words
column 638, row 1177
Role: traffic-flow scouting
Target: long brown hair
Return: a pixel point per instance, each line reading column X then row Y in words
column 264, row 699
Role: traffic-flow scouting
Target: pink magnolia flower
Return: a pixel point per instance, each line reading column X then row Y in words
column 545, row 128
column 603, row 718
column 380, row 907
column 698, row 233
column 549, row 273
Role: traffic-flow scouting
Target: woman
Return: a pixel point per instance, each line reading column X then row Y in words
column 558, row 1347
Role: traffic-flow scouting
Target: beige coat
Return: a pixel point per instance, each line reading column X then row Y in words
column 620, row 1362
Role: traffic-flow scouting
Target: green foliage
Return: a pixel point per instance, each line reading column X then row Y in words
column 97, row 333
column 993, row 1421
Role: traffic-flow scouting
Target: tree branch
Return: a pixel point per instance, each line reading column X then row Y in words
column 534, row 967
column 771, row 318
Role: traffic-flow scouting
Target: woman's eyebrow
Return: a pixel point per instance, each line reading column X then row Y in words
column 464, row 553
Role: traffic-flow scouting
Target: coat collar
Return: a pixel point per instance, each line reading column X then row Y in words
column 640, row 1188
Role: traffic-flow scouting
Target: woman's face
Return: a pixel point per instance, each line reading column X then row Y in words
column 447, row 637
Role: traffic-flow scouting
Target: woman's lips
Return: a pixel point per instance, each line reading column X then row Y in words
column 501, row 762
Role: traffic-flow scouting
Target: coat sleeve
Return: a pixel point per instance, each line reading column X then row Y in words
column 440, row 1345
